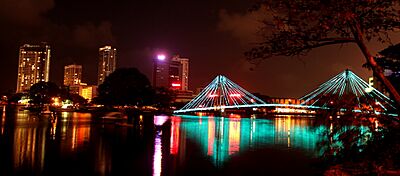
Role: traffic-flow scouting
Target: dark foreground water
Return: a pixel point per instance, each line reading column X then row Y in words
column 78, row 144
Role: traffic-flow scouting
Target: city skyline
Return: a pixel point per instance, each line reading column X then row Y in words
column 218, row 36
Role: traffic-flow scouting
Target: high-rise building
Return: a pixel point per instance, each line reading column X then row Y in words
column 161, row 71
column 72, row 75
column 172, row 73
column 107, row 62
column 33, row 66
column 184, row 72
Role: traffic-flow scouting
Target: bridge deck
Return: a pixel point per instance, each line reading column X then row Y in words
column 249, row 106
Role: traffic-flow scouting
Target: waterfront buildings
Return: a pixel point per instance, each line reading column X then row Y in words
column 33, row 65
column 72, row 75
column 107, row 62
column 171, row 73
column 87, row 91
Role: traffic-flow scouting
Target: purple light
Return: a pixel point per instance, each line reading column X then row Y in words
column 161, row 57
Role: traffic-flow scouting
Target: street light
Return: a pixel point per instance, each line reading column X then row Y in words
column 161, row 57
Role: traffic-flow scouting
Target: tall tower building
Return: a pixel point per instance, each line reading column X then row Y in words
column 72, row 75
column 172, row 73
column 184, row 73
column 161, row 71
column 33, row 65
column 107, row 62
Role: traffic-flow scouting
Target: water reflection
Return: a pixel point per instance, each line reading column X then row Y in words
column 3, row 120
column 157, row 157
column 157, row 154
column 220, row 138
column 30, row 132
column 29, row 147
column 103, row 158
column 76, row 144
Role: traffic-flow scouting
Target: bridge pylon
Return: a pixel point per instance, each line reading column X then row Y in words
column 347, row 90
column 221, row 93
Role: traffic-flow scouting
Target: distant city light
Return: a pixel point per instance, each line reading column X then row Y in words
column 176, row 85
column 161, row 57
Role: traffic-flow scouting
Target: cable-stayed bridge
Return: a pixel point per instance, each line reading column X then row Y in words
column 222, row 94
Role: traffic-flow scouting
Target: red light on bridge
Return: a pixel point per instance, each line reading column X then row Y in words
column 176, row 85
column 213, row 95
column 235, row 95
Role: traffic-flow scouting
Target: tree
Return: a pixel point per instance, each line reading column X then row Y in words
column 14, row 98
column 125, row 86
column 77, row 99
column 389, row 59
column 294, row 27
column 42, row 92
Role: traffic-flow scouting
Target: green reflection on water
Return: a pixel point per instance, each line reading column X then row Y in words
column 220, row 138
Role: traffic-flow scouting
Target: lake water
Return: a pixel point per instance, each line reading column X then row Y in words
column 77, row 144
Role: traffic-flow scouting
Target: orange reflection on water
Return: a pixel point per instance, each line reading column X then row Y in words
column 29, row 147
column 80, row 134
column 288, row 120
column 211, row 136
column 234, row 136
column 3, row 120
column 174, row 140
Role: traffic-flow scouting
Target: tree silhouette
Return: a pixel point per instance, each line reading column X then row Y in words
column 125, row 86
column 389, row 59
column 42, row 92
column 294, row 27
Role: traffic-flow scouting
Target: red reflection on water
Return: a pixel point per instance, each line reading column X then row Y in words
column 174, row 140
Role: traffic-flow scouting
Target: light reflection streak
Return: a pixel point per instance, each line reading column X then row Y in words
column 29, row 147
column 80, row 134
column 234, row 136
column 3, row 120
column 157, row 154
column 160, row 120
column 174, row 140
column 288, row 130
column 53, row 129
column 211, row 136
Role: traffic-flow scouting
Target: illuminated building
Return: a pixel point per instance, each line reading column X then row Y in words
column 161, row 72
column 87, row 91
column 33, row 66
column 73, row 77
column 172, row 73
column 107, row 62
column 285, row 101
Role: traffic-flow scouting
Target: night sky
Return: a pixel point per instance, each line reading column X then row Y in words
column 213, row 33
